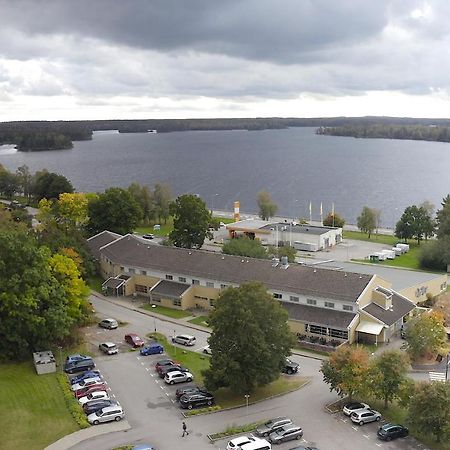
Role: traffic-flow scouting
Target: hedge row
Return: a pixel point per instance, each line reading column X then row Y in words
column 73, row 406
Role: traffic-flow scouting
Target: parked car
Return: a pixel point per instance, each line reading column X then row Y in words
column 189, row 390
column 165, row 362
column 178, row 377
column 143, row 447
column 79, row 366
column 148, row 236
column 272, row 425
column 96, row 395
column 107, row 414
column 134, row 340
column 84, row 375
column 287, row 432
column 207, row 351
column 85, row 383
column 109, row 348
column 350, row 408
column 391, row 431
column 95, row 405
column 88, row 390
column 290, row 367
column 109, row 324
column 236, row 443
column 151, row 349
column 184, row 339
column 77, row 357
column 167, row 369
column 365, row 416
column 302, row 447
column 189, row 401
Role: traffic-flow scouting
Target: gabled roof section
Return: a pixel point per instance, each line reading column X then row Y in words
column 318, row 316
column 400, row 307
column 132, row 252
column 99, row 240
column 170, row 288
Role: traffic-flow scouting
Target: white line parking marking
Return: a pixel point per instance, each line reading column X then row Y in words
column 356, row 429
column 142, row 364
column 379, row 445
column 147, row 369
column 137, row 357
column 157, row 381
column 173, row 401
column 366, row 436
column 162, row 387
column 167, row 394
column 343, row 420
column 152, row 375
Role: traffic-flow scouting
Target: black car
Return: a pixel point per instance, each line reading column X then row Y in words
column 79, row 366
column 190, row 401
column 290, row 367
column 391, row 431
column 189, row 390
column 96, row 405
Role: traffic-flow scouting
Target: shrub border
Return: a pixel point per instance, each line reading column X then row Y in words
column 72, row 405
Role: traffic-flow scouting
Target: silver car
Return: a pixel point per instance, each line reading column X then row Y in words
column 286, row 433
column 109, row 348
column 272, row 425
column 365, row 416
column 107, row 414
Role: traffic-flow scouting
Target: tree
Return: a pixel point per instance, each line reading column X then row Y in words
column 25, row 180
column 429, row 410
column 72, row 209
column 145, row 198
column 388, row 372
column 250, row 339
column 162, row 197
column 41, row 296
column 244, row 246
column 267, row 208
column 333, row 220
column 49, row 185
column 367, row 221
column 346, row 371
column 414, row 223
column 425, row 334
column 191, row 219
column 114, row 210
column 9, row 184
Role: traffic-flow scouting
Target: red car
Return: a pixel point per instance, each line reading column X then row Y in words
column 134, row 340
column 85, row 391
column 165, row 362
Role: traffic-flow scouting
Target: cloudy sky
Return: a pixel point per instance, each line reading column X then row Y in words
column 94, row 59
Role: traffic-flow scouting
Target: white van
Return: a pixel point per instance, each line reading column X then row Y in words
column 184, row 339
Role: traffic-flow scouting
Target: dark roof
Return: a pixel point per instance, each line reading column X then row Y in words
column 299, row 228
column 400, row 307
column 170, row 288
column 99, row 240
column 130, row 251
column 318, row 316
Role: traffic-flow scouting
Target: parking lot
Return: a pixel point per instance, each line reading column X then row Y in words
column 154, row 415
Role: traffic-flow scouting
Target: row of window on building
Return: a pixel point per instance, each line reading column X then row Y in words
column 325, row 331
column 312, row 302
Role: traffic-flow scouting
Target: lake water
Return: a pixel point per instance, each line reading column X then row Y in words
column 295, row 166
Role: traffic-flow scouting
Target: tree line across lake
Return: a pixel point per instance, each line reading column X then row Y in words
column 55, row 135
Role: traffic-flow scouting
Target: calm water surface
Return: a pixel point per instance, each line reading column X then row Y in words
column 294, row 165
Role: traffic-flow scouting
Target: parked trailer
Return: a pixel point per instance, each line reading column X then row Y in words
column 398, row 251
column 378, row 256
column 390, row 254
column 403, row 246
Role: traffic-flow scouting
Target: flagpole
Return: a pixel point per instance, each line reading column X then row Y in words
column 310, row 213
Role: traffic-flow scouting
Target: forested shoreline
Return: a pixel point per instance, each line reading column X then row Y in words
column 56, row 135
column 433, row 132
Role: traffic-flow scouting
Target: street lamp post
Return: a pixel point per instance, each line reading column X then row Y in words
column 212, row 203
column 246, row 403
column 154, row 319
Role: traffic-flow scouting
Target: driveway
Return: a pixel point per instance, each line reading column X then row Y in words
column 155, row 417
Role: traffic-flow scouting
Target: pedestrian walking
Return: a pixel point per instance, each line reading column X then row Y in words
column 185, row 431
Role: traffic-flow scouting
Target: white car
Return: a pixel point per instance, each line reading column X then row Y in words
column 178, row 377
column 352, row 407
column 235, row 444
column 85, row 383
column 96, row 395
column 208, row 351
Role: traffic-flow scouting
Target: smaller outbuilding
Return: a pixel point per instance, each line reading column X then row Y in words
column 44, row 362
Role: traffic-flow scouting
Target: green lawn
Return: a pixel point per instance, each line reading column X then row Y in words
column 377, row 238
column 200, row 320
column 165, row 230
column 169, row 312
column 33, row 412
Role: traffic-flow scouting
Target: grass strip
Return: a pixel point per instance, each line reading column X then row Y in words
column 169, row 312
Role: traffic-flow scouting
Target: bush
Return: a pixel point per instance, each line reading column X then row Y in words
column 322, row 341
column 430, row 256
column 72, row 405
column 209, row 409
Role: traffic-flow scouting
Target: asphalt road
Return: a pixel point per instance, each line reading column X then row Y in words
column 155, row 418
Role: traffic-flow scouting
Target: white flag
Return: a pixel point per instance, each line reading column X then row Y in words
column 321, row 212
column 310, row 208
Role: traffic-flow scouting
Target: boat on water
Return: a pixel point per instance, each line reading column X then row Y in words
column 152, row 131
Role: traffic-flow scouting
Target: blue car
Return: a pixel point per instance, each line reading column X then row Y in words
column 152, row 349
column 83, row 376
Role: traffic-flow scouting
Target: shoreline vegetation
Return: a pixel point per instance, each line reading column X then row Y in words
column 58, row 135
column 416, row 132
